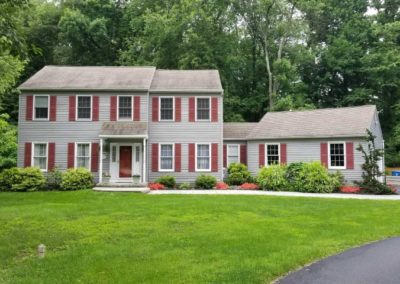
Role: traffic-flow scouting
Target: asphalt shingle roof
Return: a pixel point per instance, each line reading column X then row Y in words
column 123, row 128
column 238, row 130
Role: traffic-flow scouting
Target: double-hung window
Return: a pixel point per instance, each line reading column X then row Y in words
column 82, row 157
column 337, row 155
column 40, row 156
column 233, row 153
column 203, row 157
column 125, row 107
column 272, row 152
column 166, row 108
column 203, row 109
column 41, row 107
column 84, row 107
column 166, row 157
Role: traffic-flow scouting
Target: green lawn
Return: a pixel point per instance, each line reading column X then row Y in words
column 95, row 237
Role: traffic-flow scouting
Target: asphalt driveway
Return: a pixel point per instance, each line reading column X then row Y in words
column 374, row 263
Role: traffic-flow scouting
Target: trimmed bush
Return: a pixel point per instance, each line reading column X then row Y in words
column 205, row 182
column 9, row 177
column 77, row 179
column 185, row 185
column 273, row 178
column 238, row 174
column 314, row 177
column 54, row 179
column 167, row 181
column 22, row 179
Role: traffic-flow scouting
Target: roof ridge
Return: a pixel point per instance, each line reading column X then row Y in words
column 99, row 66
column 320, row 109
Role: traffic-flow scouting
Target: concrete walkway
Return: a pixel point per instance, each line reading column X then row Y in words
column 277, row 193
column 123, row 189
column 375, row 263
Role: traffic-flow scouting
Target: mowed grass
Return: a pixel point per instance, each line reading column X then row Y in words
column 94, row 237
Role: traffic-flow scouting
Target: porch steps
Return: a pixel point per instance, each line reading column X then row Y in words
column 122, row 189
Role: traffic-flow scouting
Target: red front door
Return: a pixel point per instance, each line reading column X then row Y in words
column 125, row 161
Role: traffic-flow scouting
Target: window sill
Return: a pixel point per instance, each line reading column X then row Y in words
column 166, row 171
column 336, row 168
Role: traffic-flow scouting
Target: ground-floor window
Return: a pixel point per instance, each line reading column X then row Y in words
column 166, row 157
column 82, row 155
column 337, row 155
column 40, row 156
column 233, row 153
column 272, row 152
column 203, row 157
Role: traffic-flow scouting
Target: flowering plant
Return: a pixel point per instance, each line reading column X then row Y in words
column 156, row 186
column 249, row 186
column 221, row 185
column 350, row 189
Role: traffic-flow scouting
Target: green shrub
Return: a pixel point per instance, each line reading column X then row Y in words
column 292, row 172
column 9, row 177
column 314, row 177
column 77, row 179
column 337, row 180
column 167, row 181
column 185, row 185
column 238, row 174
column 272, row 178
column 205, row 182
column 54, row 179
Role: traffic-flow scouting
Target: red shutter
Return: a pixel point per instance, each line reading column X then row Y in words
column 192, row 110
column 113, row 108
column 261, row 155
column 192, row 157
column 136, row 108
column 29, row 107
column 350, row 155
column 214, row 109
column 72, row 102
column 28, row 154
column 214, row 157
column 178, row 109
column 178, row 157
column 53, row 108
column 225, row 156
column 95, row 116
column 154, row 157
column 51, row 163
column 324, row 154
column 283, row 154
column 154, row 109
column 71, row 155
column 243, row 154
column 95, row 158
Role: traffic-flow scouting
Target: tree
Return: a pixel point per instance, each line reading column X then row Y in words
column 8, row 143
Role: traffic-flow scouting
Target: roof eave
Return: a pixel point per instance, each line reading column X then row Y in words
column 188, row 91
column 83, row 89
column 307, row 137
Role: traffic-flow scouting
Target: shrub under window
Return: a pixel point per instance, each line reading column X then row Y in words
column 205, row 182
column 167, row 181
column 77, row 179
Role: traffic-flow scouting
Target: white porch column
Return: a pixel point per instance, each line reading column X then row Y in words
column 144, row 161
column 101, row 161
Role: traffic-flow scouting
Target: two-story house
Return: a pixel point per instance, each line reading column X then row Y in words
column 122, row 122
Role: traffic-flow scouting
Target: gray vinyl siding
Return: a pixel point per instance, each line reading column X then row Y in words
column 307, row 150
column 377, row 131
column 62, row 131
column 185, row 132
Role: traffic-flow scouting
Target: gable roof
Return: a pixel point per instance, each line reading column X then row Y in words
column 123, row 128
column 123, row 78
column 320, row 123
column 186, row 80
column 238, row 130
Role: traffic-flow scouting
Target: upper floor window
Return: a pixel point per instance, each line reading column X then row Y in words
column 40, row 156
column 82, row 155
column 41, row 107
column 166, row 108
column 203, row 109
column 166, row 157
column 272, row 154
column 203, row 157
column 233, row 153
column 337, row 156
column 84, row 107
column 125, row 107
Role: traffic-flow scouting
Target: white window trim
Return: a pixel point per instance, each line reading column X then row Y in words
column 173, row 108
column 195, row 109
column 209, row 157
column 48, row 108
column 33, row 154
column 76, row 108
column 227, row 152
column 329, row 155
column 124, row 119
column 173, row 158
column 266, row 153
column 90, row 154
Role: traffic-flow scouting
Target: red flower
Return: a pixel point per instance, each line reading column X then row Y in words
column 249, row 186
column 156, row 186
column 350, row 189
column 221, row 185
